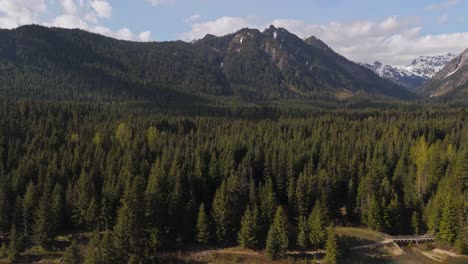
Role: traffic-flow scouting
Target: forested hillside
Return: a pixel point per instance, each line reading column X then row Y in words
column 159, row 182
column 61, row 64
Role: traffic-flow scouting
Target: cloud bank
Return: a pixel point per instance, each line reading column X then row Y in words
column 82, row 14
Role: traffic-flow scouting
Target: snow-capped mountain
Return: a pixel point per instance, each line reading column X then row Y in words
column 427, row 66
column 415, row 74
column 451, row 80
column 398, row 75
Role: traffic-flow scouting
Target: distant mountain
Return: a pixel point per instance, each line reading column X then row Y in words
column 451, row 82
column 413, row 75
column 54, row 63
column 427, row 66
column 397, row 75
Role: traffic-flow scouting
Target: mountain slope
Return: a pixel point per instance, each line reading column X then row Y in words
column 53, row 63
column 413, row 75
column 451, row 82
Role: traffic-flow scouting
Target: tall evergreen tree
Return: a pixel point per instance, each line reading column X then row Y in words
column 303, row 233
column 129, row 226
column 317, row 221
column 72, row 254
column 203, row 227
column 332, row 254
column 248, row 233
column 448, row 222
column 277, row 241
column 41, row 230
column 14, row 248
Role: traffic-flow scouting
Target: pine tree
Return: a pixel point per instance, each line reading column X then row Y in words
column 41, row 230
column 4, row 208
column 108, row 253
column 277, row 240
column 448, row 222
column 29, row 203
column 72, row 254
column 317, row 221
column 332, row 252
column 203, row 228
column 3, row 250
column 129, row 226
column 415, row 222
column 93, row 254
column 14, row 247
column 248, row 233
column 56, row 208
column 303, row 233
column 220, row 214
column 374, row 215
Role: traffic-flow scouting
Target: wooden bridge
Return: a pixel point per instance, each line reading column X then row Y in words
column 412, row 239
column 397, row 239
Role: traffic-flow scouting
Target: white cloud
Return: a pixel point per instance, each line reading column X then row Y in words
column 69, row 6
column 82, row 14
column 218, row 27
column 442, row 5
column 192, row 18
column 145, row 36
column 21, row 12
column 393, row 40
column 103, row 8
column 160, row 2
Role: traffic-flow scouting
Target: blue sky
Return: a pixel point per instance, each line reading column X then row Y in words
column 393, row 32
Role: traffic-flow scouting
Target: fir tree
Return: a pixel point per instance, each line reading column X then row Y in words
column 248, row 233
column 72, row 254
column 277, row 240
column 303, row 233
column 41, row 230
column 332, row 252
column 317, row 225
column 14, row 248
column 448, row 222
column 203, row 228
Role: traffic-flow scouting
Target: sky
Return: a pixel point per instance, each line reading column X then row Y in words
column 393, row 32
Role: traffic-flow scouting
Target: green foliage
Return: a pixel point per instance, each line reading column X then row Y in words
column 72, row 254
column 29, row 203
column 249, row 230
column 375, row 215
column 332, row 254
column 318, row 221
column 448, row 222
column 415, row 223
column 3, row 250
column 14, row 246
column 309, row 163
column 203, row 228
column 41, row 230
column 303, row 233
column 277, row 241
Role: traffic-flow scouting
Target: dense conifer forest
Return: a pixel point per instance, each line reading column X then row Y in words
column 145, row 182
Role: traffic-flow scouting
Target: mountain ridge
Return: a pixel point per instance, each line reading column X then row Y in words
column 451, row 81
column 275, row 64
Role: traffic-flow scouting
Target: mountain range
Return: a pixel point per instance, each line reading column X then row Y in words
column 249, row 65
column 414, row 75
column 55, row 63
